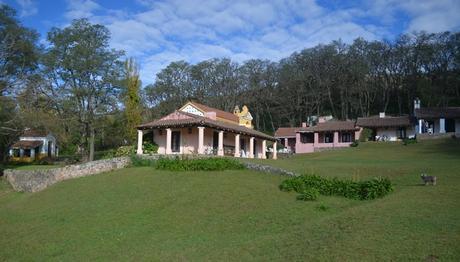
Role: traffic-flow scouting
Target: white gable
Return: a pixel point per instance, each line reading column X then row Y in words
column 192, row 110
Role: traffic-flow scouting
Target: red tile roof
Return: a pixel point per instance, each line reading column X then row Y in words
column 195, row 120
column 286, row 132
column 34, row 133
column 27, row 144
column 438, row 112
column 387, row 121
column 219, row 113
column 332, row 125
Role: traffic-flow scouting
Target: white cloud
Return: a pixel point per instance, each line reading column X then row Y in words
column 81, row 9
column 28, row 7
column 433, row 16
column 163, row 31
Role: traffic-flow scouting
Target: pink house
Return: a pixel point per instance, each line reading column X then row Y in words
column 199, row 129
column 287, row 137
column 325, row 135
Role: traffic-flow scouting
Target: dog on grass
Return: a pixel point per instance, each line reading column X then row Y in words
column 428, row 179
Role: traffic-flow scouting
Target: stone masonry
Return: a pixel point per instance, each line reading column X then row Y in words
column 36, row 180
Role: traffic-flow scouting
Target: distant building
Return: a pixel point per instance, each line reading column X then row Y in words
column 33, row 145
column 199, row 129
column 388, row 128
column 329, row 133
column 326, row 134
column 436, row 120
column 287, row 137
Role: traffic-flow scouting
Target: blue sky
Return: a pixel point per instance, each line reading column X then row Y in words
column 156, row 33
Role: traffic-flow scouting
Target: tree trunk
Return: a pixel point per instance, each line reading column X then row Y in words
column 91, row 143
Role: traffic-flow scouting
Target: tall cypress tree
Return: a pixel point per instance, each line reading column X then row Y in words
column 132, row 99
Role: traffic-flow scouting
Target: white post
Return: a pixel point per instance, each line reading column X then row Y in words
column 420, row 128
column 21, row 152
column 274, row 150
column 220, row 149
column 32, row 153
column 251, row 147
column 264, row 148
column 237, row 145
column 201, row 140
column 140, row 134
column 336, row 138
column 442, row 125
column 168, row 141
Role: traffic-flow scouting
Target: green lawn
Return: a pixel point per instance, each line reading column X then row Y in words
column 145, row 214
column 26, row 166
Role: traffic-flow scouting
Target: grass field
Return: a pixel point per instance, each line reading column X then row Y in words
column 145, row 214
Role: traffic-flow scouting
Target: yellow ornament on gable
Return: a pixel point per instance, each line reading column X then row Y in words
column 245, row 117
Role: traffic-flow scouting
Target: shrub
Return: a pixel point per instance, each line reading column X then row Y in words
column 355, row 143
column 293, row 184
column 177, row 164
column 125, row 151
column 309, row 194
column 104, row 154
column 149, row 148
column 362, row 190
column 408, row 141
column 365, row 135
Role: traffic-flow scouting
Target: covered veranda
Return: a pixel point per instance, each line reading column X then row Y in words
column 202, row 136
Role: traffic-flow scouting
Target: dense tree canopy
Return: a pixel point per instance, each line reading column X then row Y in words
column 81, row 71
column 18, row 62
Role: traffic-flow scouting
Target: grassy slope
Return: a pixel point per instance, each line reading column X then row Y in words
column 140, row 213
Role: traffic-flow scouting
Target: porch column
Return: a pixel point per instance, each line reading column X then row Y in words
column 358, row 133
column 140, row 135
column 168, row 141
column 420, row 128
column 315, row 139
column 32, row 153
column 286, row 142
column 274, row 150
column 336, row 138
column 201, row 140
column 237, row 145
column 442, row 125
column 264, row 148
column 220, row 149
column 251, row 147
column 21, row 152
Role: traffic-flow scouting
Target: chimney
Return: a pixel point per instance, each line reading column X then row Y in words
column 382, row 115
column 416, row 103
column 304, row 124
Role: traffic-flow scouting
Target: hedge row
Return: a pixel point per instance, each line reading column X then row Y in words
column 199, row 164
column 362, row 190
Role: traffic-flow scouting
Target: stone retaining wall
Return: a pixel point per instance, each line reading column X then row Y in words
column 268, row 169
column 36, row 180
column 39, row 179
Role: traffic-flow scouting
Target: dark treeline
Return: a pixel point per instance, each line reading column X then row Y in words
column 91, row 98
column 343, row 80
